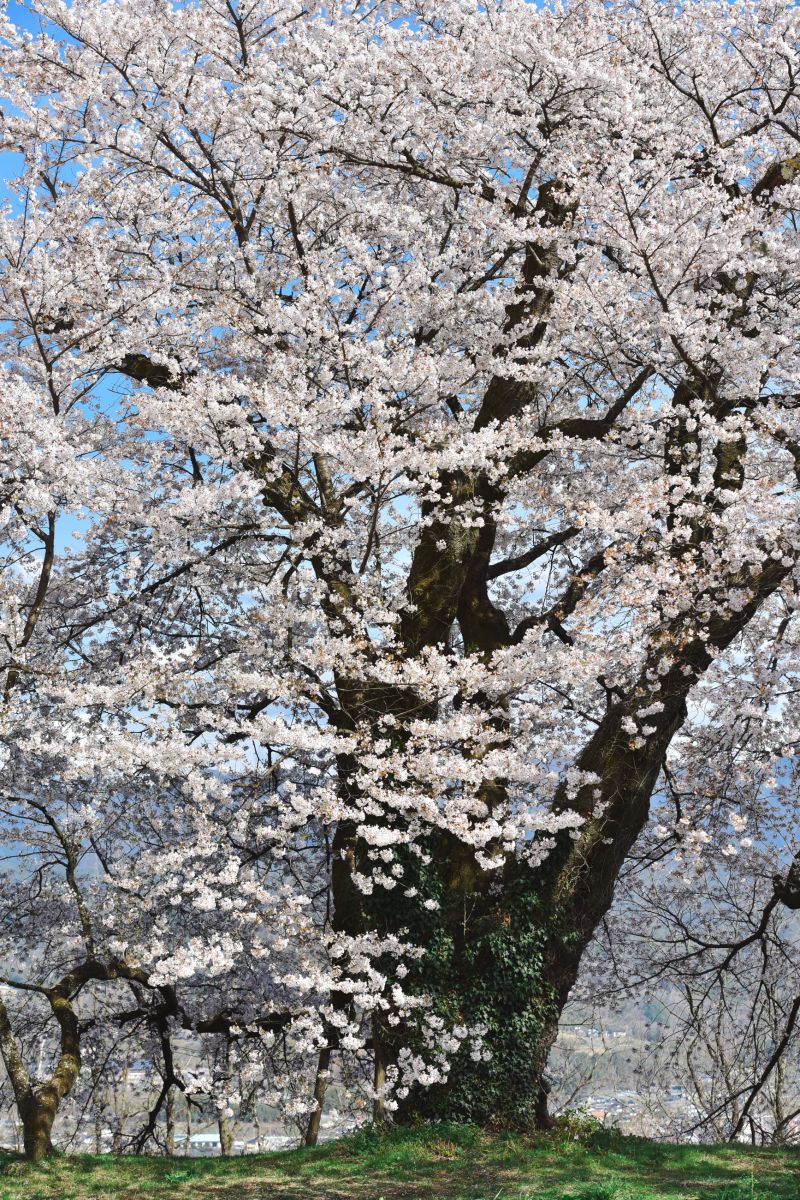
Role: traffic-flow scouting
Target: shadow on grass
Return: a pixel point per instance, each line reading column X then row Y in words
column 444, row 1162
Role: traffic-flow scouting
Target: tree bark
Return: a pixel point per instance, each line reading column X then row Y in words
column 38, row 1104
column 507, row 948
column 378, row 1072
column 98, row 1128
column 37, row 1114
column 169, row 1142
column 320, row 1088
column 225, row 1136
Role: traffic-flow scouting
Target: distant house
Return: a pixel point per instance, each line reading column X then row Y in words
column 203, row 1143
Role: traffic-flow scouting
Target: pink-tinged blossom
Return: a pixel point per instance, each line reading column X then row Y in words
column 310, row 318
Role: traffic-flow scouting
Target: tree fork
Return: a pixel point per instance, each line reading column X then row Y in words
column 512, row 964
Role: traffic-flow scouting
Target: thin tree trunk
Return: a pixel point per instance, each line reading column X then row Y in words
column 169, row 1142
column 320, row 1087
column 379, row 1073
column 116, row 1134
column 98, row 1125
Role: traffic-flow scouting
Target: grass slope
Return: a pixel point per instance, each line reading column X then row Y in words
column 431, row 1163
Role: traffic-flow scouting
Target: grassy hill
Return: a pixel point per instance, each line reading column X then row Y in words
column 431, row 1163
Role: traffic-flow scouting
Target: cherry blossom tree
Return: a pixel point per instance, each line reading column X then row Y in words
column 417, row 389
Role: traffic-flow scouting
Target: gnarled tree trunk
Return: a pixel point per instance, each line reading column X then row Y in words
column 38, row 1104
column 503, row 949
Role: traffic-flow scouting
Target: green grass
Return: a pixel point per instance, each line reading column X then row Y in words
column 445, row 1162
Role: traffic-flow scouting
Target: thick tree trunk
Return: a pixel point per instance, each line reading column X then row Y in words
column 504, row 950
column 38, row 1113
column 225, row 1136
column 489, row 969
